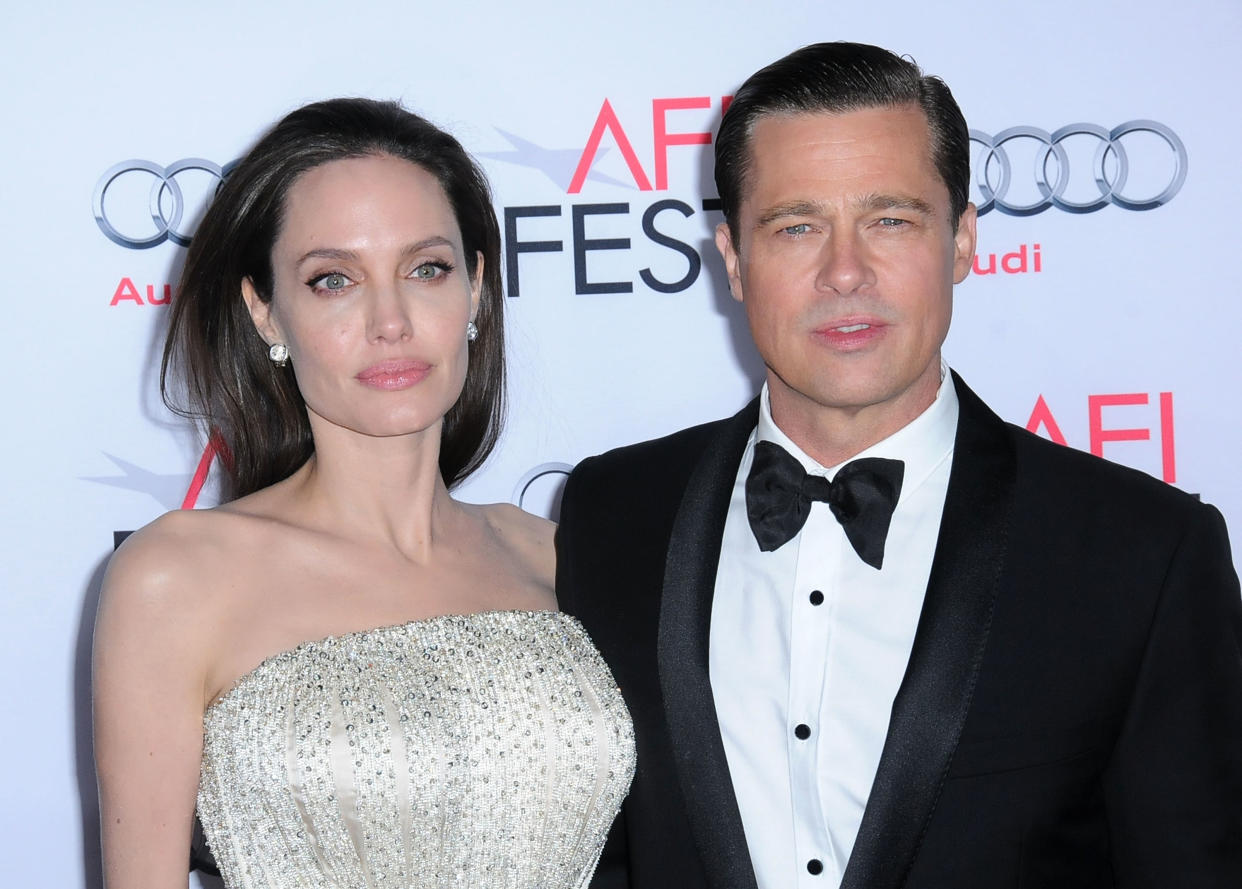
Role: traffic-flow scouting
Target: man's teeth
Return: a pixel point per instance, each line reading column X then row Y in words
column 851, row 328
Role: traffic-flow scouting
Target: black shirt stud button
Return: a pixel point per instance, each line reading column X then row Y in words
column 817, row 598
column 815, row 867
column 802, row 731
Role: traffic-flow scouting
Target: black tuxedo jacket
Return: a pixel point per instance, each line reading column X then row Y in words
column 1071, row 714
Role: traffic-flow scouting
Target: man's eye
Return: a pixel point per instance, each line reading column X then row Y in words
column 892, row 222
column 800, row 228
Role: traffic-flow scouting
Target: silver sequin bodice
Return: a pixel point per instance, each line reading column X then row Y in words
column 483, row 750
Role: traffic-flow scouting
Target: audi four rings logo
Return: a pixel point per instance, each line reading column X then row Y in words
column 1110, row 169
column 165, row 202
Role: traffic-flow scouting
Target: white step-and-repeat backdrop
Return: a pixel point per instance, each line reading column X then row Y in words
column 1104, row 310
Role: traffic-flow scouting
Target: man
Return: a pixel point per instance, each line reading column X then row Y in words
column 1028, row 674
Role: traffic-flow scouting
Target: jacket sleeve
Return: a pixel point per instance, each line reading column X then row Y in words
column 567, row 579
column 612, row 871
column 1173, row 788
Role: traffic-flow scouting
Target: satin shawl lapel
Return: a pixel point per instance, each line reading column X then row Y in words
column 685, row 621
column 931, row 704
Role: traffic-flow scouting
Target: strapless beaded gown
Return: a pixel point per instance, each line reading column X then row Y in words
column 483, row 750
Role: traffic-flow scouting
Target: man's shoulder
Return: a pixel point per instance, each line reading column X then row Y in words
column 658, row 462
column 1072, row 479
column 1083, row 478
column 680, row 445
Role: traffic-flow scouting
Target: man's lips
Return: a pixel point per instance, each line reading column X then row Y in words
column 851, row 332
column 395, row 373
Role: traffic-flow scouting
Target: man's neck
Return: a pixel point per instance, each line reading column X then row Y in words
column 832, row 435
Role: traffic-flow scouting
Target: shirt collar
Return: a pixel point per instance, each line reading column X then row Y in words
column 922, row 444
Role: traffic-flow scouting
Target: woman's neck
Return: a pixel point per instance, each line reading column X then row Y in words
column 387, row 490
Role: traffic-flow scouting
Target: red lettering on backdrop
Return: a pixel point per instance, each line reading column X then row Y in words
column 1168, row 467
column 126, row 291
column 1095, row 420
column 663, row 138
column 1019, row 262
column 1015, row 263
column 1042, row 416
column 215, row 447
column 990, row 270
column 607, row 119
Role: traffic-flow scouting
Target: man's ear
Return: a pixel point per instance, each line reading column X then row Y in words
column 964, row 244
column 260, row 313
column 728, row 251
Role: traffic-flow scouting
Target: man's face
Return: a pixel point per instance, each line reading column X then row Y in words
column 845, row 258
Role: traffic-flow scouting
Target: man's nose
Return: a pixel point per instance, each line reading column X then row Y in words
column 845, row 263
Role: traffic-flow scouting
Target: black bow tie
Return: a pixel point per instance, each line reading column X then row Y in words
column 862, row 497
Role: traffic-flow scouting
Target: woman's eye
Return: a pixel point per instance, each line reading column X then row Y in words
column 430, row 270
column 333, row 282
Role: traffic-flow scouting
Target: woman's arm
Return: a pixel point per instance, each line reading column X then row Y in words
column 150, row 660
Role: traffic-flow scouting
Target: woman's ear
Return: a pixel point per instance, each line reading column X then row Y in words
column 260, row 313
column 476, row 286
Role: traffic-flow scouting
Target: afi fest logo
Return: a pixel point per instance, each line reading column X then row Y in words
column 670, row 237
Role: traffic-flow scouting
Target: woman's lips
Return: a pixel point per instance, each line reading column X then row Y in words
column 396, row 373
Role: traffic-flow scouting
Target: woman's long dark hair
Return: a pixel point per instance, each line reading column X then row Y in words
column 231, row 385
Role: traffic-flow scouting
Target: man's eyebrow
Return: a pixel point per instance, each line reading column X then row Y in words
column 784, row 211
column 350, row 256
column 895, row 202
column 865, row 203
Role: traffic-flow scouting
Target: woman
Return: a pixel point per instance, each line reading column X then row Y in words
column 362, row 681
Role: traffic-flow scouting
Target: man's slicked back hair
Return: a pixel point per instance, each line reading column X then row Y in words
column 837, row 78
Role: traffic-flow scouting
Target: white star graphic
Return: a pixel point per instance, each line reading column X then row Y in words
column 558, row 164
column 167, row 490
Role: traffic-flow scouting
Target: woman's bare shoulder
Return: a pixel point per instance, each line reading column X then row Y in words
column 529, row 537
column 176, row 543
column 178, row 566
column 518, row 520
column 518, row 527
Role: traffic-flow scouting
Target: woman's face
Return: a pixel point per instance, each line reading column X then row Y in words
column 371, row 295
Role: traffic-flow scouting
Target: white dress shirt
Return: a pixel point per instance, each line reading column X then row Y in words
column 808, row 646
